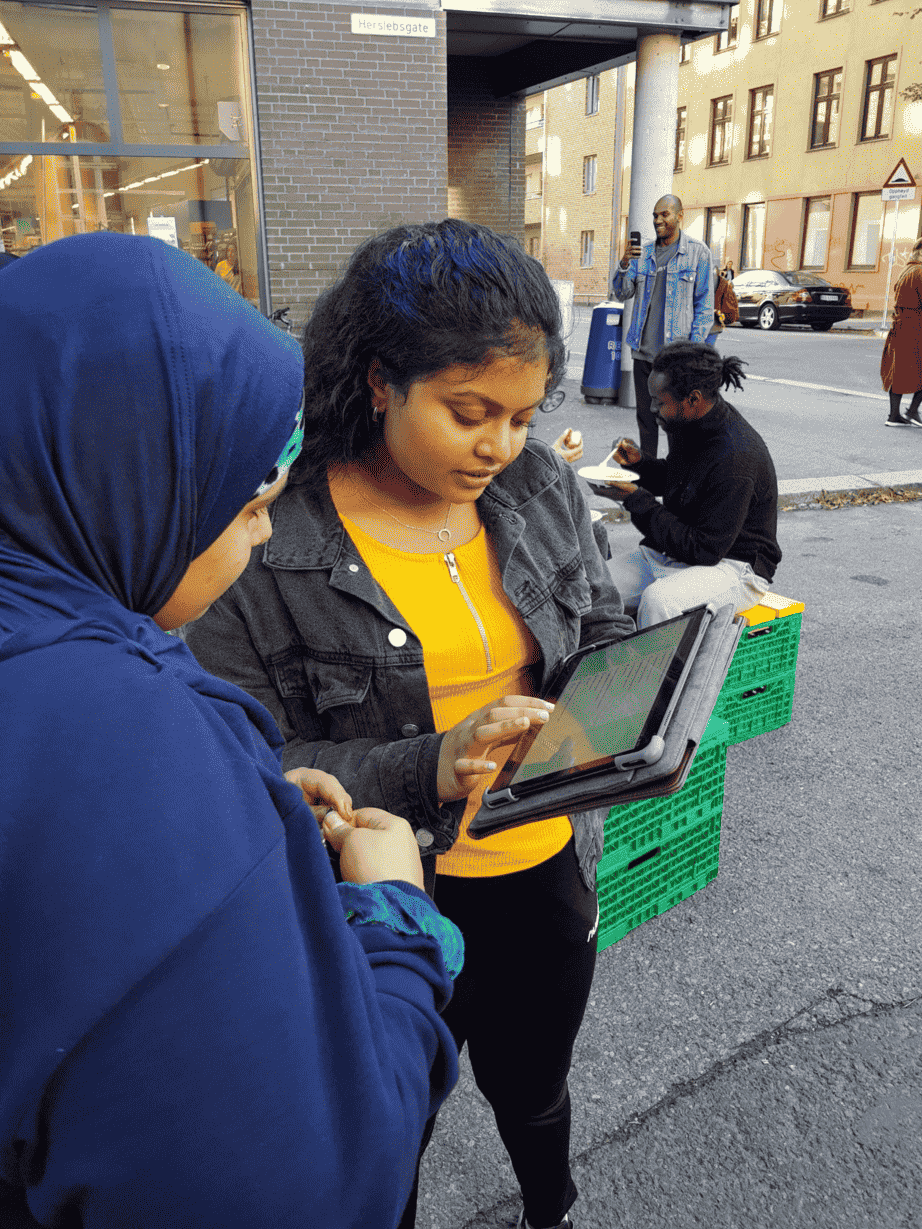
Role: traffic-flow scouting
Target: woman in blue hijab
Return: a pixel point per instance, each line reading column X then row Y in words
column 191, row 1031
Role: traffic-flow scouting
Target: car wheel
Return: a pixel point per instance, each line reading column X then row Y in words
column 822, row 328
column 768, row 317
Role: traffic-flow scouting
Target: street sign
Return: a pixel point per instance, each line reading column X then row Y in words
column 900, row 177
column 898, row 193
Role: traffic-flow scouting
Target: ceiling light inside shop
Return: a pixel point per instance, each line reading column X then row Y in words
column 6, row 40
column 60, row 113
column 23, row 67
column 163, row 67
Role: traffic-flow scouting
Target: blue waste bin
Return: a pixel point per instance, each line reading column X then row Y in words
column 602, row 368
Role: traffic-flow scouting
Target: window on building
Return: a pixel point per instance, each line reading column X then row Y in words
column 727, row 38
column 534, row 115
column 166, row 93
column 753, row 244
column 589, row 174
column 592, row 94
column 879, row 80
column 721, row 129
column 761, row 107
column 680, row 116
column 816, row 232
column 827, row 95
column 684, row 53
column 865, row 240
column 532, row 181
column 768, row 17
column 715, row 234
column 586, row 249
column 832, row 8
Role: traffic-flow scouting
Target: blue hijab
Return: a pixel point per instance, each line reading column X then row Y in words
column 144, row 402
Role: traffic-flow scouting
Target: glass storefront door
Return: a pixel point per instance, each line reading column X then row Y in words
column 133, row 119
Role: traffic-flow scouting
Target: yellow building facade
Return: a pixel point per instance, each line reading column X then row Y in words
column 787, row 128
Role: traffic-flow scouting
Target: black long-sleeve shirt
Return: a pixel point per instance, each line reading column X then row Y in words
column 719, row 494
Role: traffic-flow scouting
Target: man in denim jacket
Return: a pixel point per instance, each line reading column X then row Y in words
column 672, row 279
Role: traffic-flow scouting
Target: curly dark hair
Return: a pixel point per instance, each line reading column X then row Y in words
column 418, row 298
column 688, row 365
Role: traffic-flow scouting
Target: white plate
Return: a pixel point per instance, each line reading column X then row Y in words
column 596, row 516
column 607, row 473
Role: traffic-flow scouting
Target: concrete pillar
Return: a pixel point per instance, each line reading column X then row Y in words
column 656, row 93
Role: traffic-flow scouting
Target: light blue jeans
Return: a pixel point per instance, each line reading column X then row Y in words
column 662, row 588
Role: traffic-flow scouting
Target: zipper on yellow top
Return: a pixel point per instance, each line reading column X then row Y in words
column 452, row 565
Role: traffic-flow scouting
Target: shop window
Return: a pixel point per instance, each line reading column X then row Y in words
column 715, row 235
column 827, row 96
column 721, row 129
column 761, row 107
column 815, row 243
column 726, row 39
column 592, row 94
column 877, row 117
column 680, row 120
column 589, row 173
column 151, row 114
column 753, row 244
column 865, row 237
column 768, row 17
column 586, row 249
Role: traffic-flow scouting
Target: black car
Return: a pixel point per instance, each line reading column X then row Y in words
column 769, row 298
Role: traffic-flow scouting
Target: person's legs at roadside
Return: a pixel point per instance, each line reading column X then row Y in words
column 646, row 423
column 912, row 414
column 730, row 582
column 519, row 1002
column 896, row 419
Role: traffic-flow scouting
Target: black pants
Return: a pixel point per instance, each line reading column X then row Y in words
column 518, row 1004
column 646, row 423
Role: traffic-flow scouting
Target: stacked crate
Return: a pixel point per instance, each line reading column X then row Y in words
column 660, row 850
column 759, row 692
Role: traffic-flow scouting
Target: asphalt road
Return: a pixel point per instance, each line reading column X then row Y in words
column 752, row 1059
column 814, row 397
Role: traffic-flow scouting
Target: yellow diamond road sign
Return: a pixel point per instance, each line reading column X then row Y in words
column 900, row 176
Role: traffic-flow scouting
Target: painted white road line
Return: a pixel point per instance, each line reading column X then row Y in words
column 821, row 388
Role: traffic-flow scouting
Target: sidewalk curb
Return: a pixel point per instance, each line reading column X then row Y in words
column 848, row 497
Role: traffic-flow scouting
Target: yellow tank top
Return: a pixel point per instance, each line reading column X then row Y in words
column 476, row 648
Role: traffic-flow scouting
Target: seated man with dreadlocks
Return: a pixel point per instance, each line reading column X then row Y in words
column 713, row 536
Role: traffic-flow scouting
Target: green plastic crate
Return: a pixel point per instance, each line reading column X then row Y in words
column 766, row 650
column 756, row 708
column 635, row 826
column 632, row 892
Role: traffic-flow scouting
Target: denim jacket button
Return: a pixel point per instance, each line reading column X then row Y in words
column 409, row 730
column 397, row 636
column 353, row 567
column 424, row 838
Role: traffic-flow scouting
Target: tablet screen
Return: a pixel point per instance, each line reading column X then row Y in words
column 612, row 703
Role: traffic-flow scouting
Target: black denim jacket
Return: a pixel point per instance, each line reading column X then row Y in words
column 311, row 634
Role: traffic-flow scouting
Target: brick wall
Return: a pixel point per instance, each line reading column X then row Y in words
column 486, row 150
column 352, row 133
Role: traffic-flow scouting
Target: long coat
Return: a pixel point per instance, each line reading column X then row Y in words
column 901, row 361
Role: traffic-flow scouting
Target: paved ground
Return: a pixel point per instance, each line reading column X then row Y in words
column 752, row 1059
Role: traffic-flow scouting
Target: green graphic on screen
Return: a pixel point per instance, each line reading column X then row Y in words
column 605, row 705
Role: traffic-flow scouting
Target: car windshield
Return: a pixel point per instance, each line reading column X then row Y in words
column 805, row 279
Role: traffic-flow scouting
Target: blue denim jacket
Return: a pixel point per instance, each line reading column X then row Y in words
column 689, row 291
column 306, row 631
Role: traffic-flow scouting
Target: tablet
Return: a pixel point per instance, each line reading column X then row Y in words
column 613, row 702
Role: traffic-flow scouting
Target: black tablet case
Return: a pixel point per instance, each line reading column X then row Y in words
column 705, row 679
